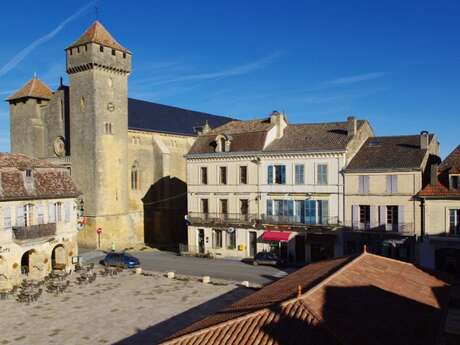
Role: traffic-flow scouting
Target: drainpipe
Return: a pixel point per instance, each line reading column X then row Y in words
column 422, row 221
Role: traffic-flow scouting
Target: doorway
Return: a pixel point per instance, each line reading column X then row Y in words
column 300, row 248
column 58, row 258
column 201, row 241
column 252, row 243
column 25, row 262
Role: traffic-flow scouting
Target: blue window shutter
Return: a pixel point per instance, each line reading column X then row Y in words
column 270, row 174
column 269, row 207
column 290, row 208
column 323, row 211
column 310, row 211
column 283, row 174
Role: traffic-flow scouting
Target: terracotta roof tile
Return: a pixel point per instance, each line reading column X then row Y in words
column 365, row 300
column 97, row 33
column 34, row 88
column 47, row 181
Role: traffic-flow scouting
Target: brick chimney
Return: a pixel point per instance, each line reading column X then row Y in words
column 424, row 139
column 352, row 126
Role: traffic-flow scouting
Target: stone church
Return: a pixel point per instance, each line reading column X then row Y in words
column 125, row 155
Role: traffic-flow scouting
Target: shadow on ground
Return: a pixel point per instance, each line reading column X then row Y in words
column 156, row 333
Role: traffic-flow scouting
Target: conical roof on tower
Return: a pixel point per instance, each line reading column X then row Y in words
column 34, row 88
column 97, row 33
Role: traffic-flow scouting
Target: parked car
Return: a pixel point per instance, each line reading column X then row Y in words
column 121, row 260
column 267, row 258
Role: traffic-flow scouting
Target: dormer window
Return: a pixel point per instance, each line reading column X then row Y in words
column 454, row 181
column 113, row 52
column 223, row 143
column 28, row 173
column 101, row 49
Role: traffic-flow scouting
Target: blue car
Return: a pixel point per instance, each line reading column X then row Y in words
column 121, row 260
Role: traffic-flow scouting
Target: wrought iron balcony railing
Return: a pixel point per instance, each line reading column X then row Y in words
column 400, row 228
column 221, row 218
column 300, row 220
column 33, row 232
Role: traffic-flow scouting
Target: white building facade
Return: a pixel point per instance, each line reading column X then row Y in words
column 39, row 209
column 266, row 185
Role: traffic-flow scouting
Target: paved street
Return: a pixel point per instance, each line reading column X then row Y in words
column 218, row 268
column 124, row 310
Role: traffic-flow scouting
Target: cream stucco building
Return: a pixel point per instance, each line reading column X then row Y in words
column 250, row 182
column 125, row 155
column 381, row 183
column 440, row 199
column 39, row 209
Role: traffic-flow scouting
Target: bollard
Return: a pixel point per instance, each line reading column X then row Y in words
column 206, row 279
column 245, row 283
column 171, row 275
column 138, row 270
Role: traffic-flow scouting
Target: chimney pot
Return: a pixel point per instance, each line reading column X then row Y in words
column 424, row 138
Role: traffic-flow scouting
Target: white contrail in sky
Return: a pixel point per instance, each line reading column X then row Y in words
column 27, row 50
column 356, row 78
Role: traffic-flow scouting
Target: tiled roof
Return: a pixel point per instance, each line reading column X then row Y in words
column 47, row 181
column 365, row 300
column 395, row 152
column 450, row 165
column 249, row 136
column 97, row 33
column 34, row 88
column 148, row 116
column 452, row 162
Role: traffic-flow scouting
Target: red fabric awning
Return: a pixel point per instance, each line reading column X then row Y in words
column 282, row 236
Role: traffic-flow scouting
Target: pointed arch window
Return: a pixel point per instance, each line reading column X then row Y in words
column 135, row 176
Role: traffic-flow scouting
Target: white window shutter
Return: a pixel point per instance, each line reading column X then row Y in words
column 401, row 220
column 7, row 217
column 394, row 184
column 20, row 216
column 361, row 184
column 366, row 184
column 374, row 216
column 67, row 210
column 389, row 180
column 383, row 216
column 355, row 216
column 51, row 213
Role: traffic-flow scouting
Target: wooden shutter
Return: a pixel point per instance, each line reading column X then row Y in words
column 67, row 210
column 51, row 213
column 355, row 216
column 20, row 216
column 7, row 217
column 401, row 220
column 383, row 217
column 389, row 183
column 374, row 216
column 270, row 174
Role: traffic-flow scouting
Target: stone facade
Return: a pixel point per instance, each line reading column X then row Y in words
column 132, row 178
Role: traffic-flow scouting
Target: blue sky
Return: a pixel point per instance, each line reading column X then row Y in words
column 395, row 63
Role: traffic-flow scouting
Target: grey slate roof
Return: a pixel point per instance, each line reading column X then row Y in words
column 392, row 152
column 148, row 116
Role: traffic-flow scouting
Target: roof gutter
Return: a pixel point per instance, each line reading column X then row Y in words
column 382, row 170
column 258, row 153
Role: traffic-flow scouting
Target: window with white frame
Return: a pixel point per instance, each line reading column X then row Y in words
column 299, row 174
column 28, row 215
column 454, row 222
column 392, row 184
column 276, row 174
column 363, row 184
column 230, row 239
column 58, row 212
column 40, row 214
column 299, row 211
column 7, row 217
column 322, row 174
column 216, row 239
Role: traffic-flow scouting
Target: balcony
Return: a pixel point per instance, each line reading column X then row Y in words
column 34, row 232
column 405, row 229
column 196, row 218
column 300, row 221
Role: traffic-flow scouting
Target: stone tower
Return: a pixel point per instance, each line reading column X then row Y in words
column 98, row 68
column 27, row 123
